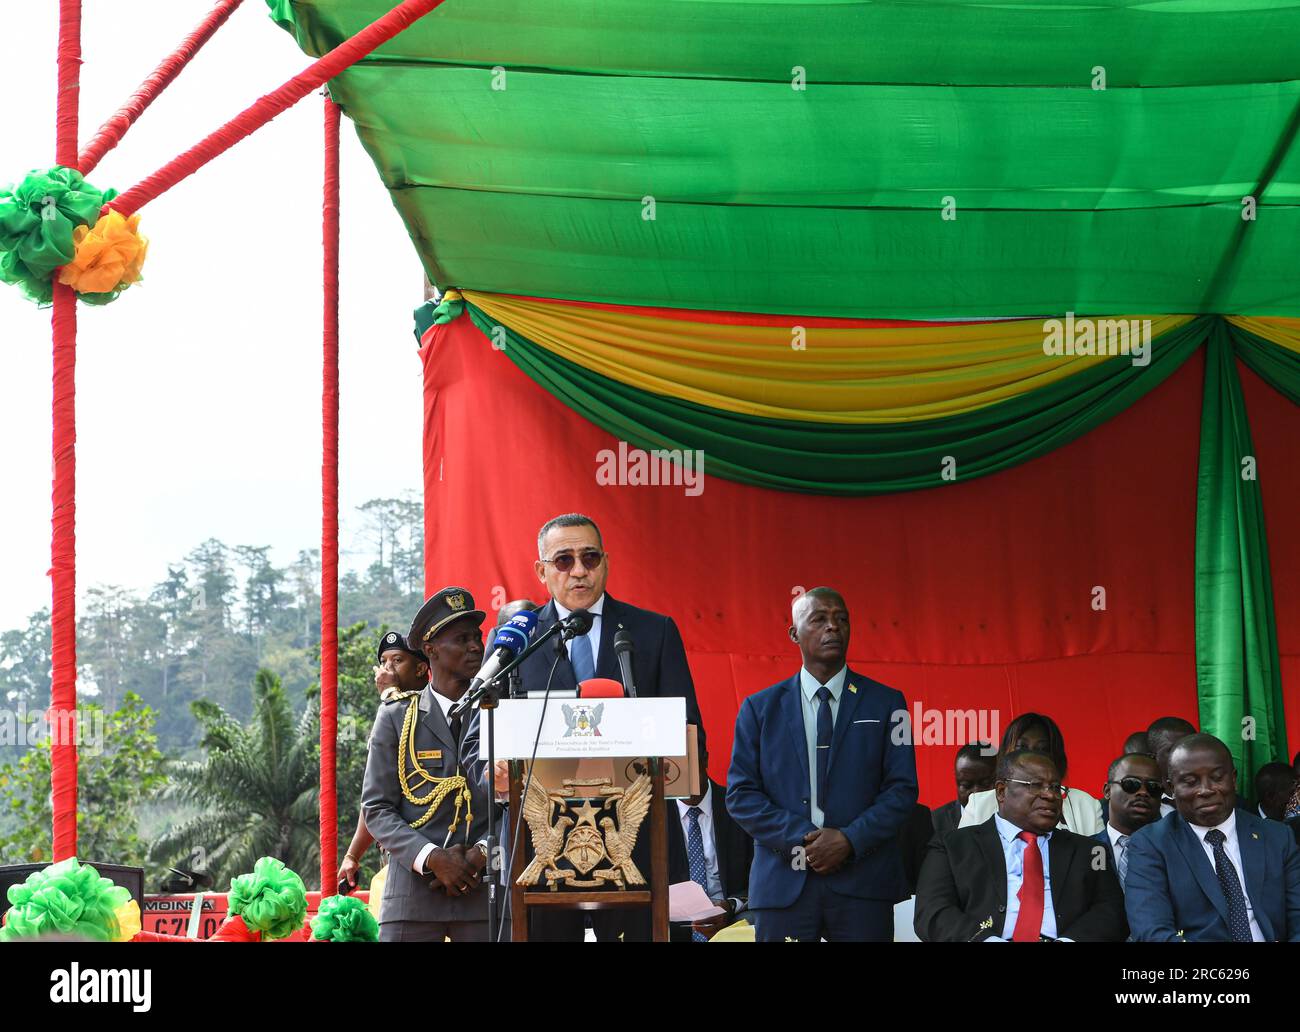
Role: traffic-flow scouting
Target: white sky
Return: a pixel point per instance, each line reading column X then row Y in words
column 198, row 391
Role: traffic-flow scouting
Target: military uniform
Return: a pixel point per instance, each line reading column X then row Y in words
column 416, row 799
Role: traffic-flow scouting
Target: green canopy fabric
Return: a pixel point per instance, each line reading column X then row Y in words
column 942, row 161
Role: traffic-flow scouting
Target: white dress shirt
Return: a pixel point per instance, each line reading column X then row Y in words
column 593, row 635
column 1233, row 848
column 714, row 888
column 808, row 696
column 1013, row 854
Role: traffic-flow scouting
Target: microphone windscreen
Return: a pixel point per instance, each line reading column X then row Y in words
column 622, row 642
column 579, row 621
column 516, row 633
column 600, row 688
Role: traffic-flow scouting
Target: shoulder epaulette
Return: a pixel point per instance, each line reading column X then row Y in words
column 400, row 696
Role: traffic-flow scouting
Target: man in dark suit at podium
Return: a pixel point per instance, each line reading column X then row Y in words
column 823, row 786
column 707, row 847
column 574, row 566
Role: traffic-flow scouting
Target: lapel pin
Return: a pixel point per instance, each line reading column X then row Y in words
column 1254, row 834
column 853, row 688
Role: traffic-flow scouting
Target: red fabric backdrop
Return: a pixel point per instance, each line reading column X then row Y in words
column 977, row 595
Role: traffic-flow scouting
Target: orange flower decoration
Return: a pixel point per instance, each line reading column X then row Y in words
column 108, row 255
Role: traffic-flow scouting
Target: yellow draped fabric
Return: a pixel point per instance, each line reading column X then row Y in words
column 1280, row 331
column 839, row 374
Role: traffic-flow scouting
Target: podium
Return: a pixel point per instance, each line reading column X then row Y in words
column 606, row 759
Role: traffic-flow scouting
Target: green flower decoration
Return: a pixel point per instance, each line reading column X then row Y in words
column 272, row 900
column 344, row 919
column 37, row 218
column 67, row 898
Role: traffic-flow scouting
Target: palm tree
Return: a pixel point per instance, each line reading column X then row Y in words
column 257, row 790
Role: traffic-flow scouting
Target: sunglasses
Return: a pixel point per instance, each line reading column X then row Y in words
column 591, row 558
column 1131, row 785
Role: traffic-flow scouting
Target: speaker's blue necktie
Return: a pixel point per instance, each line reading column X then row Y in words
column 1238, row 919
column 695, row 857
column 584, row 665
column 825, row 728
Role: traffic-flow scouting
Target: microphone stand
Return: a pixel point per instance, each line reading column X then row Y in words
column 487, row 698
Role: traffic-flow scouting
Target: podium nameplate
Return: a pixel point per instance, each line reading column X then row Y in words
column 589, row 728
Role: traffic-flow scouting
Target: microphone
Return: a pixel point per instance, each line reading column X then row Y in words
column 578, row 622
column 511, row 639
column 600, row 688
column 623, row 650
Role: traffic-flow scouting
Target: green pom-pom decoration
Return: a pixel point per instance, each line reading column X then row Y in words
column 67, row 898
column 344, row 919
column 37, row 219
column 272, row 900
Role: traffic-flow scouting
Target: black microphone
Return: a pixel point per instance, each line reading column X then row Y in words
column 623, row 650
column 576, row 623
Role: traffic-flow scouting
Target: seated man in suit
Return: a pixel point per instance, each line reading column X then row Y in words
column 707, row 847
column 1163, row 734
column 1132, row 797
column 975, row 771
column 1134, row 743
column 1018, row 877
column 1274, row 784
column 1209, row 872
column 823, row 785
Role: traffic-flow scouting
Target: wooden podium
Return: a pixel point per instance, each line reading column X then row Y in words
column 636, row 735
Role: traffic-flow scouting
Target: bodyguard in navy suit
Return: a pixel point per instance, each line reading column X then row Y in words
column 822, row 786
column 1207, row 872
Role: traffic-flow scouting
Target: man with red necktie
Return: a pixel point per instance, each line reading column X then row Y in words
column 1018, row 877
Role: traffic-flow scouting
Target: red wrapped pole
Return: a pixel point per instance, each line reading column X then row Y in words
column 329, row 541
column 63, row 496
column 112, row 131
column 257, row 115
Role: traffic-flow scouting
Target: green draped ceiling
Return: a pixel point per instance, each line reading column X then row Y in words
column 954, row 160
column 827, row 200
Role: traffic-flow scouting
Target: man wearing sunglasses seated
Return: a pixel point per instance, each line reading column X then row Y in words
column 1132, row 794
column 1018, row 877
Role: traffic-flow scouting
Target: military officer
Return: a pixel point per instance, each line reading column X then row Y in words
column 416, row 799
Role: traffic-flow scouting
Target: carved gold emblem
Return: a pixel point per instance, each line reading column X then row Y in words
column 598, row 852
column 456, row 601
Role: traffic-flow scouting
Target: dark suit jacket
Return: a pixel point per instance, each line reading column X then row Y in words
column 871, row 789
column 735, row 851
column 913, row 838
column 1173, row 893
column 962, row 892
column 658, row 667
column 945, row 818
column 658, row 662
column 388, row 815
column 1103, row 837
column 658, row 658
